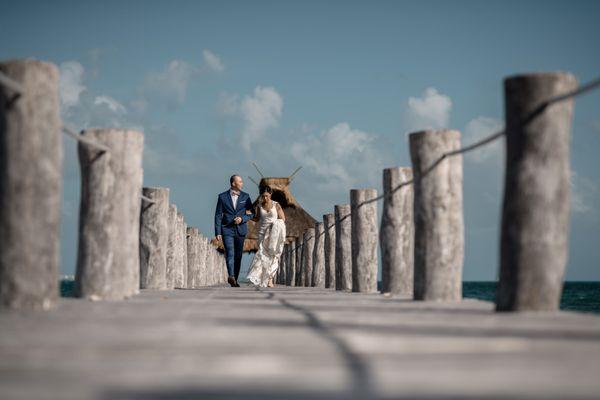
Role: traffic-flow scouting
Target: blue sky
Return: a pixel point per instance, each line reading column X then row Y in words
column 332, row 86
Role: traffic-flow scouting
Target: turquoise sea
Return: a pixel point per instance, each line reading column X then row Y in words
column 577, row 295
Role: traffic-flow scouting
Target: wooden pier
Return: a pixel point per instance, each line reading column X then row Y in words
column 295, row 343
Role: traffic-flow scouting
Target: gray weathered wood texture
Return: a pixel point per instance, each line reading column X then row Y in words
column 180, row 260
column 193, row 256
column 31, row 158
column 308, row 245
column 172, row 246
column 343, row 247
column 154, row 237
column 329, row 246
column 108, row 261
column 318, row 271
column 537, row 190
column 396, row 233
column 365, row 238
column 291, row 275
column 438, row 216
column 299, row 270
column 295, row 343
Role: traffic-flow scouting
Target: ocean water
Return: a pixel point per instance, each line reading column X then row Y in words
column 581, row 296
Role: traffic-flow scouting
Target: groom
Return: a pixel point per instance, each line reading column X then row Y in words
column 234, row 209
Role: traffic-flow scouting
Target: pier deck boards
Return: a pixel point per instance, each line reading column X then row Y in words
column 294, row 343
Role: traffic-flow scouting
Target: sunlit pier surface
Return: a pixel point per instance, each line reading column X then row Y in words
column 295, row 343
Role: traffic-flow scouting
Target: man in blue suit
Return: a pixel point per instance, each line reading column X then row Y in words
column 234, row 209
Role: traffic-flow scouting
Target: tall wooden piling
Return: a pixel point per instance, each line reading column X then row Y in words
column 171, row 246
column 31, row 157
column 365, row 237
column 291, row 274
column 343, row 247
column 193, row 256
column 308, row 245
column 183, row 249
column 180, row 261
column 329, row 248
column 535, row 212
column 438, row 216
column 318, row 269
column 203, row 258
column 108, row 257
column 154, row 236
column 396, row 235
column 283, row 263
column 299, row 270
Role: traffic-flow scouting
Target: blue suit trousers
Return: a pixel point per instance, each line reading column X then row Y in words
column 234, row 247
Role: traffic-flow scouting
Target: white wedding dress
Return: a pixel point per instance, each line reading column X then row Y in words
column 271, row 238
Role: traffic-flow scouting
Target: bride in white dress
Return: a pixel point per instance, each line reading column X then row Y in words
column 271, row 238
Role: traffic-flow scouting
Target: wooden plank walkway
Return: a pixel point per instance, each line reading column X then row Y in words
column 295, row 343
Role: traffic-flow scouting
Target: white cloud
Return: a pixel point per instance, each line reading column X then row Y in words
column 255, row 113
column 70, row 84
column 170, row 85
column 212, row 61
column 341, row 157
column 111, row 103
column 82, row 109
column 476, row 130
column 430, row 111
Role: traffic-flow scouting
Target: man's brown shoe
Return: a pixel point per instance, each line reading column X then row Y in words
column 232, row 282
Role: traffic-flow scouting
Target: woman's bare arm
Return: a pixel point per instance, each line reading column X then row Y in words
column 280, row 213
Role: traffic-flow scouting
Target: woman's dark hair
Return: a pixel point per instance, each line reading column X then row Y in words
column 266, row 188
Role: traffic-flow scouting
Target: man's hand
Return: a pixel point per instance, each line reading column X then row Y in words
column 237, row 220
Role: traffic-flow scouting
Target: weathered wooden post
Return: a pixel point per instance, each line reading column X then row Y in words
column 365, row 237
column 193, row 256
column 214, row 266
column 291, row 275
column 308, row 244
column 181, row 253
column 343, row 247
column 396, row 235
column 183, row 249
column 108, row 258
column 329, row 226
column 535, row 212
column 290, row 264
column 283, row 264
column 438, row 216
column 299, row 269
column 318, row 270
column 171, row 246
column 204, row 259
column 31, row 157
column 154, row 236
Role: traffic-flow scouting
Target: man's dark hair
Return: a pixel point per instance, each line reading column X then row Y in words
column 232, row 178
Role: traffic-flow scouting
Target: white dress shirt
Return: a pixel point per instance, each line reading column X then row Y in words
column 234, row 198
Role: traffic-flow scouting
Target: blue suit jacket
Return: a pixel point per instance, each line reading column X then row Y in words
column 225, row 214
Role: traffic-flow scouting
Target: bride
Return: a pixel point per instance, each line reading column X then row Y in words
column 271, row 238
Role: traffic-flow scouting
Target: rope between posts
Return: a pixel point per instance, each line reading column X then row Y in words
column 85, row 140
column 147, row 199
column 588, row 87
column 11, row 84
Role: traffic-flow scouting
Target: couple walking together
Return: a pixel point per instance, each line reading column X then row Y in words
column 234, row 210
